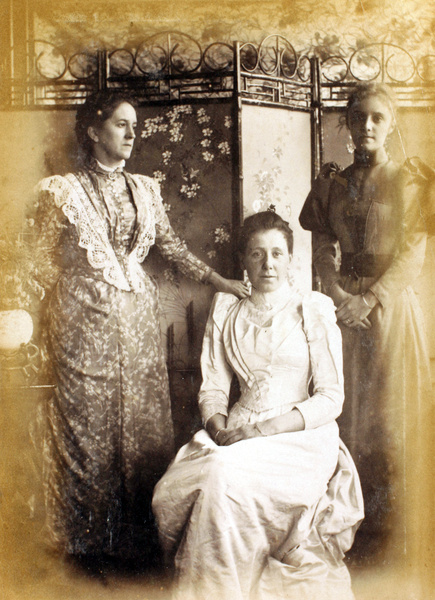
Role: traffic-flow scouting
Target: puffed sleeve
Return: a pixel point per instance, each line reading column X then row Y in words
column 314, row 213
column 409, row 258
column 49, row 225
column 314, row 218
column 216, row 372
column 171, row 246
column 426, row 176
column 325, row 348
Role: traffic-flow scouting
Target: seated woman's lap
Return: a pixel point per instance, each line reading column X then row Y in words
column 261, row 476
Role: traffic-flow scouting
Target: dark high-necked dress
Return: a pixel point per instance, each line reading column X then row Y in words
column 109, row 428
column 368, row 235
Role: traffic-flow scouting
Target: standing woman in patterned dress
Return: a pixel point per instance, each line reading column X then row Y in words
column 369, row 246
column 109, row 429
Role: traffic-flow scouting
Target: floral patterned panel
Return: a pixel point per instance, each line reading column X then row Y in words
column 188, row 149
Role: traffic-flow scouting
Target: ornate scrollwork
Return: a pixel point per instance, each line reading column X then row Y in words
column 173, row 51
column 218, row 57
column 304, row 68
column 83, row 65
column 273, row 73
column 268, row 69
column 379, row 62
column 50, row 63
column 248, row 57
column 275, row 57
column 382, row 61
column 179, row 53
column 121, row 62
column 335, row 68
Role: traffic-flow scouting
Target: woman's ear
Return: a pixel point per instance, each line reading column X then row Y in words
column 92, row 133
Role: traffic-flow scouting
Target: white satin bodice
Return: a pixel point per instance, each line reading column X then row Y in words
column 274, row 344
column 272, row 359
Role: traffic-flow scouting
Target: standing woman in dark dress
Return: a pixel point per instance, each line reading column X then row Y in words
column 109, row 428
column 369, row 246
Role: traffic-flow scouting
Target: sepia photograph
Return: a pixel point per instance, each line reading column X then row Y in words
column 217, row 326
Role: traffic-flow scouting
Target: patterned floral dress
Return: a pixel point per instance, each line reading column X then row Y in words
column 368, row 235
column 109, row 433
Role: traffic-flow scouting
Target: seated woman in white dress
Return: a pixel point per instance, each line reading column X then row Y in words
column 264, row 501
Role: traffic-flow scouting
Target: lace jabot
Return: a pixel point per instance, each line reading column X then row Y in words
column 271, row 301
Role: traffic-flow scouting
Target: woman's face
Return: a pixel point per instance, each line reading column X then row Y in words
column 370, row 121
column 113, row 140
column 267, row 259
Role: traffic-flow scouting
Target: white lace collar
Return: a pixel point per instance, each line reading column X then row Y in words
column 272, row 300
column 108, row 170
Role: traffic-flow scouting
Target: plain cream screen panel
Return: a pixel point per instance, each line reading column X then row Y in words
column 276, row 159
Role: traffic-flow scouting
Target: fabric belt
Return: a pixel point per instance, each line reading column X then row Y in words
column 364, row 265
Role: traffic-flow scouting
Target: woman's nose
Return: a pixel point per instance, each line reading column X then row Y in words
column 130, row 132
column 267, row 263
column 368, row 124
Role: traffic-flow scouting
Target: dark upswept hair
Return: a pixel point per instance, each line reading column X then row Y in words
column 263, row 221
column 367, row 90
column 96, row 109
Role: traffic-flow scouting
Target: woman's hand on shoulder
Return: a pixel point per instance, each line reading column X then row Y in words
column 238, row 288
column 229, row 286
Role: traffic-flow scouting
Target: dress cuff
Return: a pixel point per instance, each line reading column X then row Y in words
column 206, row 277
column 377, row 291
column 329, row 282
column 210, row 406
column 322, row 408
column 373, row 291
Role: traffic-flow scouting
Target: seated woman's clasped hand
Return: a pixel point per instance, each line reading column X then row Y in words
column 226, row 437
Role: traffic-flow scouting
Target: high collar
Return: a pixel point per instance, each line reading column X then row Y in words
column 272, row 300
column 95, row 165
column 363, row 159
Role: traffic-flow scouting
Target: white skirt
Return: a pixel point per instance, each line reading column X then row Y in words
column 265, row 518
